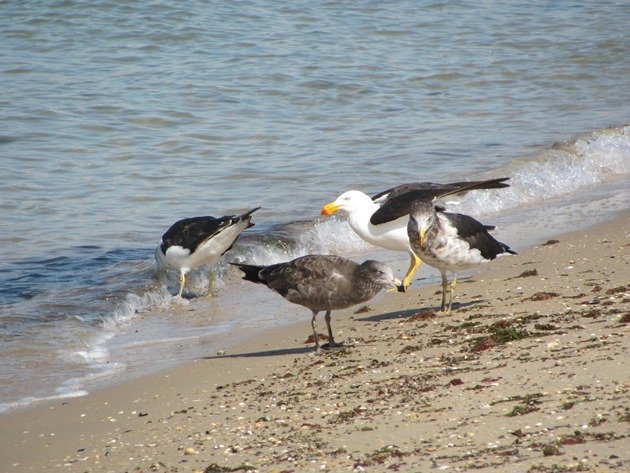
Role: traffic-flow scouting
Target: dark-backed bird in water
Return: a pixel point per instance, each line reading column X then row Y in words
column 200, row 241
column 386, row 225
column 450, row 242
column 323, row 282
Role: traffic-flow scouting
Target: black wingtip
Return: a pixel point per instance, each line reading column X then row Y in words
column 251, row 211
column 250, row 271
column 247, row 216
column 507, row 249
column 498, row 183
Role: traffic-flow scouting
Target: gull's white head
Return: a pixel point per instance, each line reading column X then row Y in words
column 350, row 201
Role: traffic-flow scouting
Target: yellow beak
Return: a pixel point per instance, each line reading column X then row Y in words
column 329, row 209
column 421, row 234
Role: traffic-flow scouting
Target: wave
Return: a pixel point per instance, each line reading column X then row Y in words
column 127, row 283
column 586, row 161
column 27, row 401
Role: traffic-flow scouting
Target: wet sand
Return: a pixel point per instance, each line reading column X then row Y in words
column 530, row 373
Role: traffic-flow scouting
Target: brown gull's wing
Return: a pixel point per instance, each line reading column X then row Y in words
column 319, row 282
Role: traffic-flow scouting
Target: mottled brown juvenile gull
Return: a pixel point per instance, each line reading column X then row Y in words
column 199, row 241
column 386, row 225
column 450, row 242
column 323, row 282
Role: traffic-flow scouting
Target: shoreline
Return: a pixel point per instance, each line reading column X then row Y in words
column 379, row 403
column 126, row 347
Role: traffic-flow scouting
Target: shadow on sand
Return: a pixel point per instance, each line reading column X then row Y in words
column 257, row 354
column 399, row 314
column 405, row 314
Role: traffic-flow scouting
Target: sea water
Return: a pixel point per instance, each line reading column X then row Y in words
column 119, row 118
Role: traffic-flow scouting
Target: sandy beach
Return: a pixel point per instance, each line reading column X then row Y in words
column 530, row 373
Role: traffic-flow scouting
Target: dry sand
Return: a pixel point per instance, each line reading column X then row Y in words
column 528, row 374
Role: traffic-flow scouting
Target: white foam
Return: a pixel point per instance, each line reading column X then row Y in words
column 133, row 305
column 77, row 384
column 565, row 168
column 332, row 235
column 95, row 351
column 27, row 401
column 196, row 333
column 96, row 354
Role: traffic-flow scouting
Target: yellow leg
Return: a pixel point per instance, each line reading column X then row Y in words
column 450, row 288
column 444, row 291
column 413, row 267
column 182, row 281
column 451, row 291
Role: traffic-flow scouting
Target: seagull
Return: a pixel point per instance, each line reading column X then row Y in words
column 199, row 241
column 323, row 282
column 386, row 225
column 450, row 242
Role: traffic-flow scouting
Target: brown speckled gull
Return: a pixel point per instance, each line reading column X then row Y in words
column 323, row 282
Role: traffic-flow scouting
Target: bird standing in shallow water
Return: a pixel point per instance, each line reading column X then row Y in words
column 450, row 242
column 199, row 241
column 382, row 220
column 323, row 282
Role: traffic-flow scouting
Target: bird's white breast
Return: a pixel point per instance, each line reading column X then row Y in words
column 206, row 254
column 447, row 251
column 391, row 235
